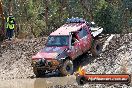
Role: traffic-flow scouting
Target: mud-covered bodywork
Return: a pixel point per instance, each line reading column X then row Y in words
column 63, row 46
column 50, row 57
column 50, row 53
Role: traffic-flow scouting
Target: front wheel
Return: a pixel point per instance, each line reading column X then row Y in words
column 66, row 68
column 80, row 80
column 37, row 72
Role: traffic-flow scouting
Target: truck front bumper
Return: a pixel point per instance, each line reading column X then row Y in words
column 46, row 64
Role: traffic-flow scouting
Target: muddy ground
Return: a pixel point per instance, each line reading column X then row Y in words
column 15, row 62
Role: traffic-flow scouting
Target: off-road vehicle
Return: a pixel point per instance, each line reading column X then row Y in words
column 64, row 45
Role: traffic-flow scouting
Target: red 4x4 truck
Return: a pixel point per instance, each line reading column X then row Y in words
column 64, row 45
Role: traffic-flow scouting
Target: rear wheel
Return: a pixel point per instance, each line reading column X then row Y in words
column 96, row 48
column 67, row 68
column 38, row 72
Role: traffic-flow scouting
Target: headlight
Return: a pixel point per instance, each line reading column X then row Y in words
column 34, row 61
column 54, row 62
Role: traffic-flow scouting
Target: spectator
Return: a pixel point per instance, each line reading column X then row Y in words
column 10, row 24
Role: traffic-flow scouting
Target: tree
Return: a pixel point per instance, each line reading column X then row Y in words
column 40, row 17
column 108, row 18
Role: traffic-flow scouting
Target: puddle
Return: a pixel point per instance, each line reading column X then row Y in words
column 38, row 82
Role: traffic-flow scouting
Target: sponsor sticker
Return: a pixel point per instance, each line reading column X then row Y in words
column 82, row 78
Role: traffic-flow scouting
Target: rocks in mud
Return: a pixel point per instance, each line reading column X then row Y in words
column 15, row 61
column 116, row 59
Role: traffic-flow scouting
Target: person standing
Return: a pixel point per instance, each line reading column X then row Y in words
column 10, row 25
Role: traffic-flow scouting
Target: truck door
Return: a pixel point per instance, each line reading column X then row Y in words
column 76, row 46
column 84, row 37
column 89, row 37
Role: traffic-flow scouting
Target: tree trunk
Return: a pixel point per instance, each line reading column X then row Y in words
column 10, row 7
column 46, row 13
column 2, row 17
column 88, row 10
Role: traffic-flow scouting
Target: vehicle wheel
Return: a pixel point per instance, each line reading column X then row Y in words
column 37, row 72
column 66, row 68
column 96, row 49
column 80, row 80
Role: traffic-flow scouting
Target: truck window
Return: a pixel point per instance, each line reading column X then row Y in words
column 58, row 41
column 82, row 33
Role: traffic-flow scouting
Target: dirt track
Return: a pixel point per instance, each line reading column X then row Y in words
column 15, row 60
column 116, row 58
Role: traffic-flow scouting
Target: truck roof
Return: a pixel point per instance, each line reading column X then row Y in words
column 67, row 28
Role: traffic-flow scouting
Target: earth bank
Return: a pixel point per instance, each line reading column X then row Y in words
column 15, row 58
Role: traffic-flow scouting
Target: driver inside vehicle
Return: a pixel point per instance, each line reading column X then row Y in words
column 74, row 38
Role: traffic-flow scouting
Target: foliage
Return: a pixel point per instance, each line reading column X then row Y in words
column 40, row 17
column 108, row 18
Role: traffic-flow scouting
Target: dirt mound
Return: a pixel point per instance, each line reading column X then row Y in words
column 15, row 58
column 115, row 59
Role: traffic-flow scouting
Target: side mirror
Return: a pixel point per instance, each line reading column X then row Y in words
column 76, row 41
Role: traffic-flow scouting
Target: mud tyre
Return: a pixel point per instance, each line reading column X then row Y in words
column 38, row 73
column 96, row 49
column 66, row 68
column 80, row 80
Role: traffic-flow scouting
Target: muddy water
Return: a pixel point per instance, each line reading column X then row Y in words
column 38, row 82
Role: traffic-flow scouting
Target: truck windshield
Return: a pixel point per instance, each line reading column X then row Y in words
column 57, row 41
